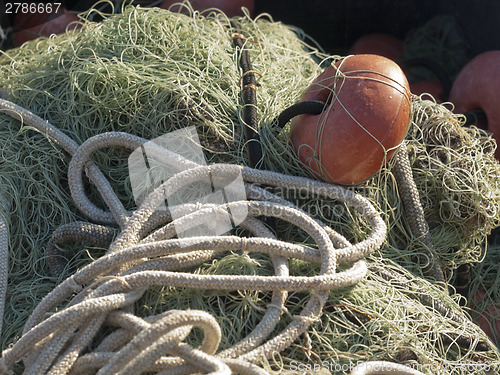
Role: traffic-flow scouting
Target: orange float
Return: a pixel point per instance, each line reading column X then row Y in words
column 28, row 26
column 378, row 44
column 368, row 109
column 489, row 320
column 476, row 88
column 433, row 87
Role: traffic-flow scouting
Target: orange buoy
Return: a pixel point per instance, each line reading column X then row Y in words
column 368, row 109
column 432, row 87
column 476, row 88
column 28, row 26
column 378, row 44
column 489, row 319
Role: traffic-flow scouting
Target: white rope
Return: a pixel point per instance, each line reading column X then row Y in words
column 145, row 253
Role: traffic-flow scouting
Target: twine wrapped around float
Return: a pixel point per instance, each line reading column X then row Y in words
column 113, row 76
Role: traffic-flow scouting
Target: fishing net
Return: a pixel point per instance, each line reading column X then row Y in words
column 440, row 40
column 149, row 72
column 483, row 290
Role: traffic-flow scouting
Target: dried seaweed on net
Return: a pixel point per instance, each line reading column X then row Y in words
column 116, row 78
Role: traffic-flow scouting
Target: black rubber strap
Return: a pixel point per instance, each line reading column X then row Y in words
column 312, row 107
column 249, row 92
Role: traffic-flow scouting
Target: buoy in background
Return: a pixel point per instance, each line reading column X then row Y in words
column 368, row 109
column 29, row 26
column 439, row 86
column 489, row 319
column 230, row 7
column 378, row 44
column 477, row 88
column 432, row 87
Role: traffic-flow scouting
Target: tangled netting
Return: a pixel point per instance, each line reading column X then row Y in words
column 440, row 40
column 484, row 289
column 147, row 72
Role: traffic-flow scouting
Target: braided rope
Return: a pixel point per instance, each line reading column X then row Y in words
column 146, row 252
column 97, row 235
column 415, row 212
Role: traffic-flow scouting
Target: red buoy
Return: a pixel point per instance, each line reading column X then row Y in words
column 28, row 26
column 367, row 116
column 488, row 320
column 378, row 44
column 476, row 88
column 432, row 87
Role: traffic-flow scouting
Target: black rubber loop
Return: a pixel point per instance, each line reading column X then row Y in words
column 313, row 107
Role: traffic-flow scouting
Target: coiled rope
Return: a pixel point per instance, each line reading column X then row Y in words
column 145, row 253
